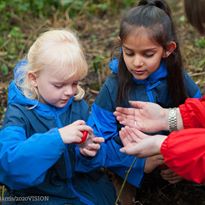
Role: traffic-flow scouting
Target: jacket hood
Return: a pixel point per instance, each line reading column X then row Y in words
column 15, row 96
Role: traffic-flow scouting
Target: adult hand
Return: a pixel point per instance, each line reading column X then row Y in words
column 145, row 116
column 139, row 144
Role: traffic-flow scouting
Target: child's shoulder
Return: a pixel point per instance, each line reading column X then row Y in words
column 16, row 109
column 112, row 80
column 15, row 115
column 191, row 87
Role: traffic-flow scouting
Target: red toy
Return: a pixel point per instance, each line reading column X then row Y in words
column 85, row 135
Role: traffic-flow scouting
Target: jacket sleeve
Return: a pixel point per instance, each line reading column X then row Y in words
column 25, row 161
column 184, row 153
column 193, row 113
column 105, row 125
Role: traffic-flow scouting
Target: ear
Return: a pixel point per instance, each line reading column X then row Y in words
column 169, row 49
column 32, row 78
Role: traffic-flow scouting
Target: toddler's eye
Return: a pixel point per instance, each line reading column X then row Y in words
column 75, row 83
column 58, row 86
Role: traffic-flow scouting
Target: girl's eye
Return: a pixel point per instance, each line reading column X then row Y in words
column 58, row 86
column 129, row 54
column 148, row 55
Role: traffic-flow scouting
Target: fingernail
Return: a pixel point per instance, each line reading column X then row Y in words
column 122, row 150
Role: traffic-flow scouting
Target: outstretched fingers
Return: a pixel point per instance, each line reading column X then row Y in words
column 125, row 111
column 130, row 135
column 135, row 149
column 138, row 104
column 135, row 134
column 131, row 117
column 125, row 114
column 125, row 138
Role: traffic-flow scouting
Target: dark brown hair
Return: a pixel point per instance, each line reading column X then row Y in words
column 154, row 15
column 194, row 10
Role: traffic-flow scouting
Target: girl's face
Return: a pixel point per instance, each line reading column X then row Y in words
column 54, row 88
column 142, row 55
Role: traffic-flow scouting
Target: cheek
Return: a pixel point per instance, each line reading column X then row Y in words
column 154, row 62
column 58, row 92
column 52, row 92
column 127, row 61
column 47, row 89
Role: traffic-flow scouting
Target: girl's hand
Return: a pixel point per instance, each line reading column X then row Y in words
column 139, row 144
column 73, row 133
column 170, row 176
column 91, row 146
column 145, row 116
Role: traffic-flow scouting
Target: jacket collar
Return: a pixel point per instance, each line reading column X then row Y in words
column 155, row 77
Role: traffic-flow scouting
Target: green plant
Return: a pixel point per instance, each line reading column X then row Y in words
column 200, row 43
column 4, row 69
column 124, row 181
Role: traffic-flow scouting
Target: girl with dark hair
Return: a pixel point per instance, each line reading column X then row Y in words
column 149, row 68
column 183, row 151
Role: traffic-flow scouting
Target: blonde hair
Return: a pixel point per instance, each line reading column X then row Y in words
column 57, row 48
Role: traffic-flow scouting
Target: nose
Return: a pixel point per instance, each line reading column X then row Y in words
column 137, row 61
column 69, row 90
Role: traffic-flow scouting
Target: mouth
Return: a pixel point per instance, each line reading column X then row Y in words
column 138, row 72
column 64, row 100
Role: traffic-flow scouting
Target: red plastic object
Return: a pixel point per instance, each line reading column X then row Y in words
column 85, row 135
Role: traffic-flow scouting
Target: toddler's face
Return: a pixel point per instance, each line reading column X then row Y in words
column 142, row 56
column 54, row 88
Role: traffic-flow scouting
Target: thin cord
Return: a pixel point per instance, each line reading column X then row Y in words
column 125, row 179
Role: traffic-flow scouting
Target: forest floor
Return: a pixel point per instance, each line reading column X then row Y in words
column 98, row 35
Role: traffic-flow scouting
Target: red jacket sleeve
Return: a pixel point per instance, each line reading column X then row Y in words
column 193, row 113
column 184, row 153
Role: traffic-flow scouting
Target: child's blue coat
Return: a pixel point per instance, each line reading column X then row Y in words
column 34, row 161
column 104, row 123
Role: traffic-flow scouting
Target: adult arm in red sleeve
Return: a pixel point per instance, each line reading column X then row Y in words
column 193, row 113
column 184, row 153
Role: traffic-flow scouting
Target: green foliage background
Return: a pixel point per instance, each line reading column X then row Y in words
column 18, row 17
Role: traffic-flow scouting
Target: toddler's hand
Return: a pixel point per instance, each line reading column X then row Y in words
column 73, row 133
column 90, row 147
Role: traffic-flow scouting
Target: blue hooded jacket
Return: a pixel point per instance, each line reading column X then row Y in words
column 104, row 123
column 34, row 161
